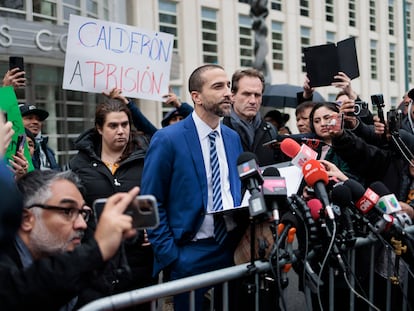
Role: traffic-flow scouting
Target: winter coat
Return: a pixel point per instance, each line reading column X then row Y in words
column 48, row 283
column 98, row 182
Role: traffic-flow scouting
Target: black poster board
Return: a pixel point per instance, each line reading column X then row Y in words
column 323, row 62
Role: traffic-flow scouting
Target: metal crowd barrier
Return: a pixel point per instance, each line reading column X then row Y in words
column 154, row 293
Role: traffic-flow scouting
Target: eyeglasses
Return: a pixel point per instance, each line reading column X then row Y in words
column 70, row 213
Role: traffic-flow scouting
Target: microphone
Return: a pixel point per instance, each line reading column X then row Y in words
column 299, row 154
column 274, row 189
column 387, row 202
column 251, row 177
column 342, row 197
column 316, row 177
column 315, row 207
column 364, row 200
column 367, row 205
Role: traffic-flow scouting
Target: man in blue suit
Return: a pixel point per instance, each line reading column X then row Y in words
column 178, row 172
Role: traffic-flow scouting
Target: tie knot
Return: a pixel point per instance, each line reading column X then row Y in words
column 213, row 135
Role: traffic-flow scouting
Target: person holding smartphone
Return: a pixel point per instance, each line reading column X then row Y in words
column 325, row 118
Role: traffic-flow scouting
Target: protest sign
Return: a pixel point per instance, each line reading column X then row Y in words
column 8, row 104
column 101, row 55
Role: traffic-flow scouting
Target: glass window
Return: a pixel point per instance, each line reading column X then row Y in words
column 304, row 7
column 392, row 61
column 167, row 15
column 352, row 13
column 373, row 59
column 209, row 35
column 245, row 41
column 372, row 15
column 276, row 5
column 391, row 21
column 329, row 11
column 305, row 33
column 330, row 37
column 277, row 45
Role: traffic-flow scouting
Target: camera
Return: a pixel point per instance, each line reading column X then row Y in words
column 394, row 120
column 360, row 106
column 378, row 100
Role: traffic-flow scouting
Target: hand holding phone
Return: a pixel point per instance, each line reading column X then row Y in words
column 143, row 210
column 336, row 123
column 21, row 139
column 16, row 61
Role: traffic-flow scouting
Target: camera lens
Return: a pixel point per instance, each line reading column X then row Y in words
column 357, row 109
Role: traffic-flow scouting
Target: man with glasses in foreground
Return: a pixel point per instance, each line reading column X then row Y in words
column 46, row 268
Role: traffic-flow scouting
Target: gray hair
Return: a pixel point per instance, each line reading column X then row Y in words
column 35, row 186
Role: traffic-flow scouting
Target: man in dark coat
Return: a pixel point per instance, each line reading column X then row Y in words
column 47, row 267
column 247, row 88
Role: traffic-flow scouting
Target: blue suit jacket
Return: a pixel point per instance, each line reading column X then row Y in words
column 174, row 173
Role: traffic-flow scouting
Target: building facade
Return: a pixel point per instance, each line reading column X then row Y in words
column 207, row 31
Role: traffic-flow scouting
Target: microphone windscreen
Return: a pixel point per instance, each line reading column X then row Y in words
column 271, row 171
column 290, row 147
column 341, row 196
column 313, row 171
column 246, row 157
column 315, row 206
column 289, row 218
column 379, row 188
column 357, row 190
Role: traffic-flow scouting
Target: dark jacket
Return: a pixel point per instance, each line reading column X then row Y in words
column 50, row 155
column 373, row 163
column 96, row 177
column 266, row 155
column 49, row 283
column 99, row 182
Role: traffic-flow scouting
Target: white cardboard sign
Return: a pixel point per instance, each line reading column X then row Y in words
column 101, row 55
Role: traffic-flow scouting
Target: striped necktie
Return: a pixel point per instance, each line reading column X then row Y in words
column 220, row 231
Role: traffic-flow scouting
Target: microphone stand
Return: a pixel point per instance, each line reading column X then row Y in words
column 251, row 287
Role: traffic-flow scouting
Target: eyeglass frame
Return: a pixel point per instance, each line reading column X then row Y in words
column 85, row 213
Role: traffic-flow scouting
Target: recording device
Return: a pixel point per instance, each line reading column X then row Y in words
column 300, row 154
column 16, row 61
column 378, row 100
column 394, row 120
column 143, row 210
column 251, row 178
column 359, row 107
column 336, row 123
column 21, row 139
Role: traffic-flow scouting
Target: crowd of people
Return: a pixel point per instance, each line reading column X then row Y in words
column 59, row 253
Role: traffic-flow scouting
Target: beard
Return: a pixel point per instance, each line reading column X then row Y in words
column 44, row 243
column 221, row 109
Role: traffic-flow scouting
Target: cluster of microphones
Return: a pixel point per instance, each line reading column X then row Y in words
column 340, row 216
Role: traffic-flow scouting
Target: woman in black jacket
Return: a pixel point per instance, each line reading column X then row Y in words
column 111, row 160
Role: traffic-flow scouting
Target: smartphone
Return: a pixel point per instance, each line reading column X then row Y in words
column 336, row 123
column 143, row 210
column 21, row 139
column 16, row 61
column 5, row 116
